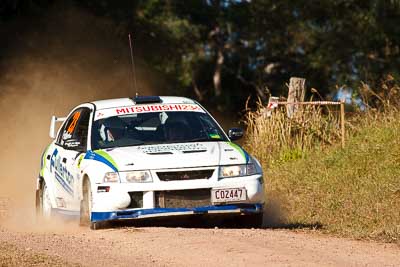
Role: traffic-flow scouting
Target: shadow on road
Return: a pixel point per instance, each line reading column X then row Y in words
column 294, row 226
column 207, row 222
column 275, row 217
column 191, row 221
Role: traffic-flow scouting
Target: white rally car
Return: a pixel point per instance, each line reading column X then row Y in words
column 145, row 157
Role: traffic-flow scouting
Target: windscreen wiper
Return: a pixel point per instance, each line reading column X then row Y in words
column 203, row 139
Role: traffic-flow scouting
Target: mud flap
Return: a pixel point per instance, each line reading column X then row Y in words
column 38, row 203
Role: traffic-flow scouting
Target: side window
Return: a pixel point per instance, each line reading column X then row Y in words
column 76, row 127
column 82, row 128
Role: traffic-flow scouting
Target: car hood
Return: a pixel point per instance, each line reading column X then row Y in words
column 178, row 155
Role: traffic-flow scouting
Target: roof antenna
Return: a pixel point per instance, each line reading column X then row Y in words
column 133, row 66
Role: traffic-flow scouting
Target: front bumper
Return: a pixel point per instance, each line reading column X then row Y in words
column 234, row 209
column 118, row 198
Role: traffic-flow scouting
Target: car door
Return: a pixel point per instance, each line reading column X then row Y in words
column 71, row 142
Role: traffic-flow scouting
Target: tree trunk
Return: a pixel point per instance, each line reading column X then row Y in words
column 196, row 89
column 217, row 73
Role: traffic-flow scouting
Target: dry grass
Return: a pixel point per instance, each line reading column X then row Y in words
column 279, row 139
column 351, row 192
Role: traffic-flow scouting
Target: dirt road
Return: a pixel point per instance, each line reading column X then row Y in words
column 159, row 246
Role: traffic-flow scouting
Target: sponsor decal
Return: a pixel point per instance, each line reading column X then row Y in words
column 60, row 202
column 99, row 115
column 66, row 135
column 103, row 157
column 155, row 149
column 63, row 183
column 150, row 108
column 52, row 159
column 240, row 150
column 214, row 136
column 147, row 108
column 62, row 175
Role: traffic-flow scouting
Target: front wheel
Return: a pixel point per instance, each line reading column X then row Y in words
column 86, row 209
column 86, row 204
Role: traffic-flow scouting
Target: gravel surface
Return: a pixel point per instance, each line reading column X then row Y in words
column 66, row 245
column 10, row 255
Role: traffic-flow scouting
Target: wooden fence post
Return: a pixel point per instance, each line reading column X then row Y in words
column 342, row 122
column 297, row 91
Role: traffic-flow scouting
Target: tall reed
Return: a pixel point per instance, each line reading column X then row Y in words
column 279, row 138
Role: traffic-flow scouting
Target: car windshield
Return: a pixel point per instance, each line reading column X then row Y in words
column 155, row 128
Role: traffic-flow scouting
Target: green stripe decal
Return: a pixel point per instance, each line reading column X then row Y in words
column 79, row 161
column 107, row 157
column 240, row 150
column 44, row 161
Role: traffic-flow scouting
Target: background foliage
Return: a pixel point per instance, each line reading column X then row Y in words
column 222, row 51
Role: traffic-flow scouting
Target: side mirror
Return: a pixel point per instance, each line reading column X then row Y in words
column 73, row 144
column 235, row 133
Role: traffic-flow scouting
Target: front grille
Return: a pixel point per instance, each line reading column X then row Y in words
column 185, row 175
column 136, row 200
column 183, row 198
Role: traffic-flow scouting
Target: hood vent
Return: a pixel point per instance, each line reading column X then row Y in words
column 159, row 153
column 193, row 151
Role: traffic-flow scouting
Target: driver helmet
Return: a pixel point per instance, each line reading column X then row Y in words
column 176, row 131
column 112, row 129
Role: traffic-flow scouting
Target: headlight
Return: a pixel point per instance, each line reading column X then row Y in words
column 111, row 177
column 136, row 177
column 237, row 170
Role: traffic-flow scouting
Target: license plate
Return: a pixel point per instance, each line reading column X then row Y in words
column 228, row 195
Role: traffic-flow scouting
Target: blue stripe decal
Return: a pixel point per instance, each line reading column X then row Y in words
column 94, row 156
column 246, row 155
column 134, row 214
column 63, row 183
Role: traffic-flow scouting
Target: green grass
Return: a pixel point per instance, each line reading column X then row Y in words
column 352, row 192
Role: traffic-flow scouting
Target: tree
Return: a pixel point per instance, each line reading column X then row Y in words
column 223, row 51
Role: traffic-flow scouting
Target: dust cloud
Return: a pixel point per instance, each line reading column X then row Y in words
column 63, row 60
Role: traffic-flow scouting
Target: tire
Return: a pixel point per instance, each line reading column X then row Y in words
column 99, row 225
column 86, row 209
column 86, row 204
column 43, row 202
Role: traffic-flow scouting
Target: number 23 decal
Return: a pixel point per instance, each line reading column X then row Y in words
column 75, row 119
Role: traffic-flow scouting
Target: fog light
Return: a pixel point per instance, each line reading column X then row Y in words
column 111, row 177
